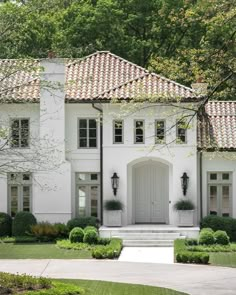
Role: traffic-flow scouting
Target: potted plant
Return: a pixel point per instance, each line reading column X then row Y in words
column 113, row 209
column 185, row 208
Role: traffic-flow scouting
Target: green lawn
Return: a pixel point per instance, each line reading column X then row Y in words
column 109, row 288
column 40, row 251
column 223, row 259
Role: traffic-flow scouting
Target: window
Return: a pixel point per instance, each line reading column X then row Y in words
column 181, row 132
column 220, row 193
column 87, row 133
column 118, row 131
column 88, row 194
column 19, row 192
column 160, row 131
column 138, row 131
column 20, row 133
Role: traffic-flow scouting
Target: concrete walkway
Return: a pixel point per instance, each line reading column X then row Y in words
column 192, row 279
column 147, row 254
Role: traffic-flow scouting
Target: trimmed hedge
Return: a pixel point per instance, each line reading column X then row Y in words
column 109, row 251
column 221, row 237
column 76, row 235
column 82, row 222
column 22, row 223
column 184, row 256
column 206, row 238
column 90, row 237
column 89, row 227
column 227, row 224
column 5, row 224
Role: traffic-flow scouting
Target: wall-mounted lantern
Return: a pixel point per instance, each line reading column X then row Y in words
column 115, row 182
column 184, row 182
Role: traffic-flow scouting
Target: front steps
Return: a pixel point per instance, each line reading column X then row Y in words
column 148, row 235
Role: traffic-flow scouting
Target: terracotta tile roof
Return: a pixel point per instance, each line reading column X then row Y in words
column 217, row 128
column 99, row 76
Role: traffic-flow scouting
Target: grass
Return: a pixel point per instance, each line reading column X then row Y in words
column 110, row 288
column 223, row 259
column 40, row 251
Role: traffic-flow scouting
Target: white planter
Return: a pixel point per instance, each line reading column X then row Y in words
column 185, row 217
column 112, row 218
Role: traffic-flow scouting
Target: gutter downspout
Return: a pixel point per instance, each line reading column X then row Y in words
column 101, row 160
column 200, row 167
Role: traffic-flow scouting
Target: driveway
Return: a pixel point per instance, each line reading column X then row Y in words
column 192, row 279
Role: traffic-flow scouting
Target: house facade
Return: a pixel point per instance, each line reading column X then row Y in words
column 73, row 126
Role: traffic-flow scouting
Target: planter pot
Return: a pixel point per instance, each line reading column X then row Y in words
column 112, row 218
column 185, row 217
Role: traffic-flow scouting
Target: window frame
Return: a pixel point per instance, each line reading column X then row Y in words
column 177, row 134
column 219, row 183
column 160, row 141
column 122, row 131
column 87, row 134
column 11, row 129
column 135, row 129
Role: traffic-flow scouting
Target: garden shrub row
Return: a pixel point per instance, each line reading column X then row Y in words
column 5, row 224
column 208, row 237
column 28, row 285
column 227, row 224
column 110, row 251
column 89, row 235
column 183, row 255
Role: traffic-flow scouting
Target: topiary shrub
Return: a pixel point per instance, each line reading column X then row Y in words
column 22, row 223
column 89, row 227
column 206, row 238
column 208, row 229
column 221, row 237
column 90, row 237
column 76, row 235
column 82, row 222
column 5, row 224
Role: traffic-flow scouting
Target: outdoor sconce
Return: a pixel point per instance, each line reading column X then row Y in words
column 184, row 182
column 115, row 182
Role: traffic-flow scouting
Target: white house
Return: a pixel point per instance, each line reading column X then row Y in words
column 108, row 115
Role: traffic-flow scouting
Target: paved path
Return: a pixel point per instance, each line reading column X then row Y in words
column 192, row 279
column 147, row 254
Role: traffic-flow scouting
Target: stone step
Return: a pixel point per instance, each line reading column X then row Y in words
column 148, row 243
column 147, row 236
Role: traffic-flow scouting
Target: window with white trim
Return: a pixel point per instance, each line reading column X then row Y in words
column 19, row 133
column 220, row 193
column 138, row 131
column 118, row 132
column 160, row 131
column 181, row 132
column 87, row 133
column 19, row 192
column 88, row 194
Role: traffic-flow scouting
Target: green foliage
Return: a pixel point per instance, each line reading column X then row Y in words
column 227, row 224
column 10, row 283
column 113, row 205
column 67, row 244
column 76, row 235
column 45, row 231
column 22, row 223
column 90, row 237
column 184, row 204
column 88, row 228
column 82, row 222
column 109, row 251
column 221, row 237
column 213, row 248
column 103, row 241
column 208, row 229
column 191, row 242
column 5, row 224
column 206, row 238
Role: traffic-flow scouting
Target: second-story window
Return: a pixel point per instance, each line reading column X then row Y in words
column 118, row 131
column 181, row 131
column 20, row 133
column 87, row 129
column 160, row 131
column 138, row 131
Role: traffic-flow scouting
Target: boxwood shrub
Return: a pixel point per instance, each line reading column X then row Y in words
column 110, row 251
column 227, row 224
column 221, row 237
column 82, row 222
column 22, row 223
column 206, row 238
column 76, row 235
column 90, row 237
column 5, row 224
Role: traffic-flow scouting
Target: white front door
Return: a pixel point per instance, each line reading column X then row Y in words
column 151, row 193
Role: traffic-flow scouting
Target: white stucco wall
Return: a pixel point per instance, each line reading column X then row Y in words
column 218, row 162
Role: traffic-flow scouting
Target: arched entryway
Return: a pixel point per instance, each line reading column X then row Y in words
column 150, row 186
